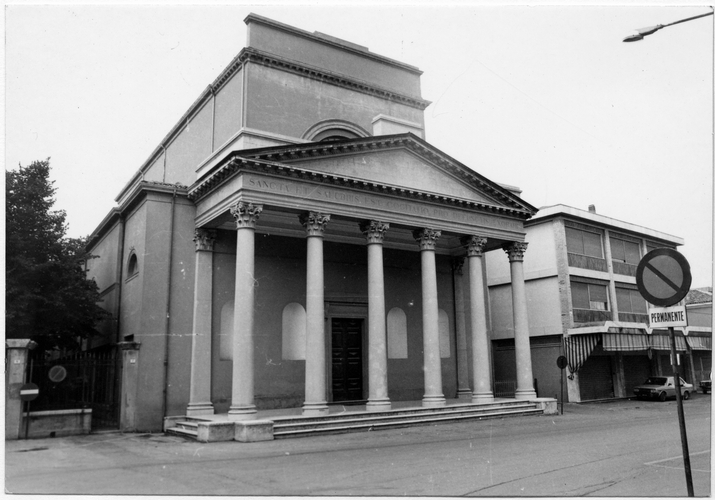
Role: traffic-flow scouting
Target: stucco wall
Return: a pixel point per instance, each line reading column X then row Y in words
column 336, row 60
column 190, row 147
column 543, row 308
column 289, row 104
column 229, row 109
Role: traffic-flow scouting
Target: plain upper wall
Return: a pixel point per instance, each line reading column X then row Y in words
column 331, row 54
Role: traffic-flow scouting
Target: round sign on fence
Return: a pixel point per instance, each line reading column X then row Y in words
column 663, row 277
column 28, row 392
column 57, row 373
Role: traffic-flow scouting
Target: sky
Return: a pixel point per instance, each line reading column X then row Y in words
column 546, row 98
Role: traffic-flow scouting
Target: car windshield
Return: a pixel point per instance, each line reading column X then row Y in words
column 656, row 381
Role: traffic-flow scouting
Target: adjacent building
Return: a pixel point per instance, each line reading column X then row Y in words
column 583, row 302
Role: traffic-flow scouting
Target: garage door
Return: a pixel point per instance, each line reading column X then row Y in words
column 595, row 378
column 636, row 369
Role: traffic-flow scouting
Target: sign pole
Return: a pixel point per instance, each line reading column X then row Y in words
column 681, row 414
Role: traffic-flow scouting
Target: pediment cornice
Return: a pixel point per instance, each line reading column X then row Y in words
column 276, row 161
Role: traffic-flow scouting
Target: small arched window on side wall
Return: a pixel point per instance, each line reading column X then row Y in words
column 132, row 265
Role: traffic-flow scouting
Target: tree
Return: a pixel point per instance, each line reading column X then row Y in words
column 48, row 297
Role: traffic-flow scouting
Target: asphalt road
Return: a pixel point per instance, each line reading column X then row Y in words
column 622, row 448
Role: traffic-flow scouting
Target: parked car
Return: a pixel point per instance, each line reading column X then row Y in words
column 706, row 385
column 662, row 388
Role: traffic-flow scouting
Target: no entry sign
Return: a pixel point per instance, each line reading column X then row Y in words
column 28, row 392
column 663, row 277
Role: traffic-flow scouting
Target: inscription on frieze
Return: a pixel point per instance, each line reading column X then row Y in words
column 311, row 192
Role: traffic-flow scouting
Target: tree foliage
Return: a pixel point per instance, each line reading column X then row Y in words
column 48, row 297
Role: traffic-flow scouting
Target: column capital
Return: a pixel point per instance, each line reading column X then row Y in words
column 474, row 244
column 458, row 264
column 204, row 239
column 314, row 222
column 516, row 250
column 374, row 230
column 426, row 238
column 246, row 214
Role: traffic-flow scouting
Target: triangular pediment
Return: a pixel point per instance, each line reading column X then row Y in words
column 403, row 162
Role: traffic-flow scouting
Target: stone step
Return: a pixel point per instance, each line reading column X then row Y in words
column 282, row 431
column 406, row 412
column 183, row 432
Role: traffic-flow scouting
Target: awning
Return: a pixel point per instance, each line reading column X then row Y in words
column 700, row 343
column 624, row 342
column 662, row 343
column 578, row 349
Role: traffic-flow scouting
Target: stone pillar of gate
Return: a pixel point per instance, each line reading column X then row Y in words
column 200, row 384
column 16, row 354
column 378, row 399
column 480, row 342
column 242, row 389
column 463, row 390
column 427, row 239
column 315, row 390
column 524, row 374
column 130, row 386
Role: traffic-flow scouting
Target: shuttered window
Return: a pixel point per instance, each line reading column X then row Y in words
column 625, row 251
column 584, row 243
column 589, row 296
column 630, row 301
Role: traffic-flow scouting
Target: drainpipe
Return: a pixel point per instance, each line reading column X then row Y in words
column 120, row 271
column 168, row 307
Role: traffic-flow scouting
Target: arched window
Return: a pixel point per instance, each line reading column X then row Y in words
column 293, row 335
column 444, row 349
column 396, row 334
column 334, row 130
column 132, row 265
column 226, row 332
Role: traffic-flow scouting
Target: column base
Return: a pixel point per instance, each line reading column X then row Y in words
column 378, row 405
column 525, row 394
column 199, row 409
column 464, row 394
column 315, row 409
column 247, row 412
column 432, row 401
column 483, row 397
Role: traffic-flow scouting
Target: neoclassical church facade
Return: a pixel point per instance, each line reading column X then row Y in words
column 294, row 241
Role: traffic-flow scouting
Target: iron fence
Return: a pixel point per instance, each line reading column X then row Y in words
column 88, row 379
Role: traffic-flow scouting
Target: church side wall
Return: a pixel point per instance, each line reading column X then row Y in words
column 229, row 110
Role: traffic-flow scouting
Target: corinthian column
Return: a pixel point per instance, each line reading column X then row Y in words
column 242, row 390
column 200, row 386
column 463, row 390
column 480, row 343
column 378, row 399
column 427, row 239
column 524, row 375
column 315, row 394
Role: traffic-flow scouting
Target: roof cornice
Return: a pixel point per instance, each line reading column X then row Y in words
column 329, row 40
column 546, row 213
column 268, row 160
column 249, row 54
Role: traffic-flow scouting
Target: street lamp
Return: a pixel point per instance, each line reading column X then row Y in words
column 643, row 32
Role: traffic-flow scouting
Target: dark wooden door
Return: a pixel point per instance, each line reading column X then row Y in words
column 346, row 336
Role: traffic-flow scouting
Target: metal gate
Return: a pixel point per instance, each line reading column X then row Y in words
column 88, row 379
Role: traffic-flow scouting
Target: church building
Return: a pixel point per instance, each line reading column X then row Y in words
column 295, row 242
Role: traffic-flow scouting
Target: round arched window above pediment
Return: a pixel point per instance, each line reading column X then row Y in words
column 334, row 130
